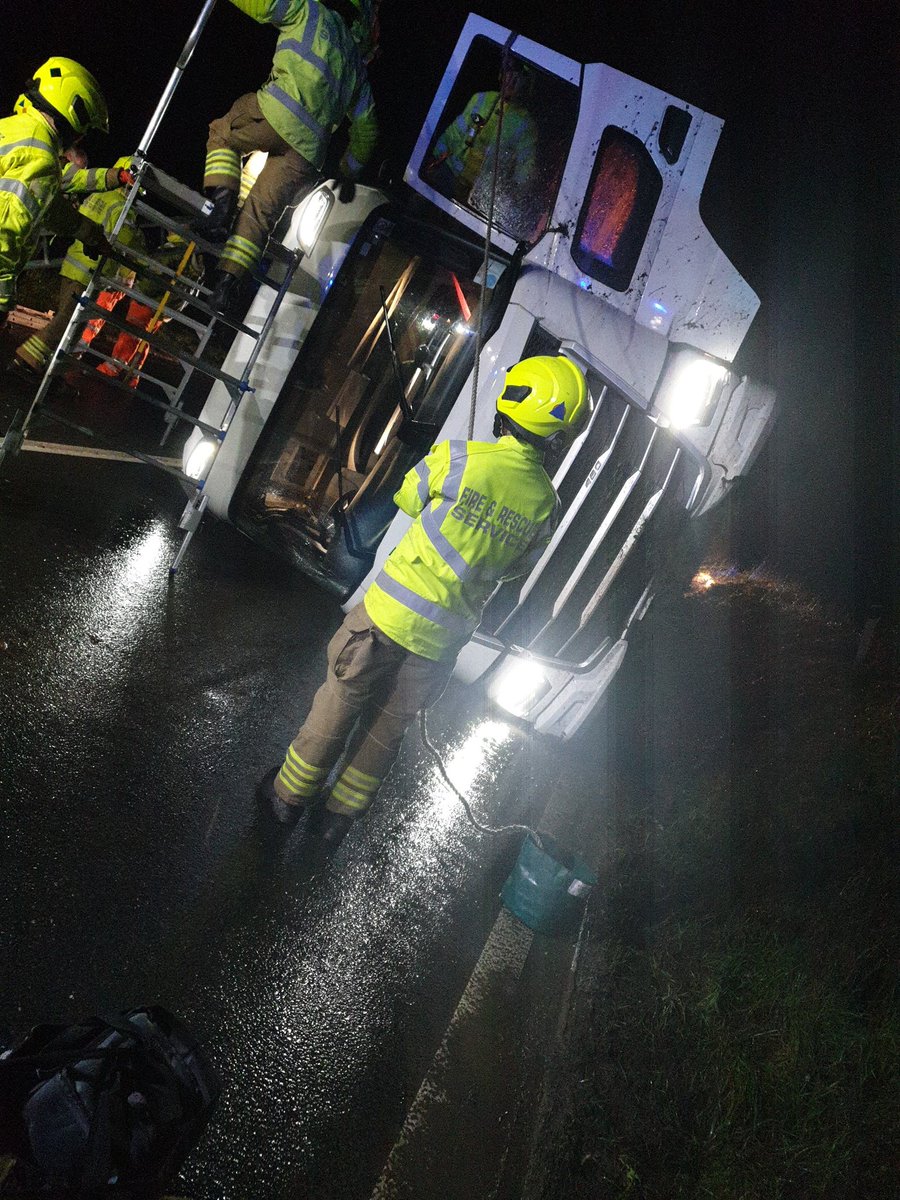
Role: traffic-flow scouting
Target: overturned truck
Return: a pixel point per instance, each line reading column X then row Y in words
column 549, row 207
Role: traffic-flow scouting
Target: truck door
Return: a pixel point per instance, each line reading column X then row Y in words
column 496, row 139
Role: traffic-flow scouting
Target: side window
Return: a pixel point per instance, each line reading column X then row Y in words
column 617, row 211
column 506, row 112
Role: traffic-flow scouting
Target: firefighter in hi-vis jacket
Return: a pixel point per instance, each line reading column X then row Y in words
column 103, row 208
column 318, row 79
column 61, row 102
column 484, row 511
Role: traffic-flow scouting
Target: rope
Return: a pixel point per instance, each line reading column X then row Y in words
column 487, row 243
column 439, row 762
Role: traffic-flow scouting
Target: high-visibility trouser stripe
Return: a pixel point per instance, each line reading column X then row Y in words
column 18, row 189
column 36, row 349
column 300, row 778
column 223, row 162
column 242, row 251
column 279, row 10
column 354, row 789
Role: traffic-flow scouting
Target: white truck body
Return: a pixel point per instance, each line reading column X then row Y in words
column 614, row 268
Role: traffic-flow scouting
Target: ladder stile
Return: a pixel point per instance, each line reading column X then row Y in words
column 186, row 301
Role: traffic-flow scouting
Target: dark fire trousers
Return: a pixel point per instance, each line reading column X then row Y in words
column 375, row 682
column 285, row 179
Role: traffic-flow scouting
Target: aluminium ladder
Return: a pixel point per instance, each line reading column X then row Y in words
column 193, row 311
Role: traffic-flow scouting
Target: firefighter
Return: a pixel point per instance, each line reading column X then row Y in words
column 318, row 78
column 463, row 156
column 61, row 102
column 484, row 511
column 79, row 178
column 102, row 209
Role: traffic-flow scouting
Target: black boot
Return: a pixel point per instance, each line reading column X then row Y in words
column 331, row 828
column 217, row 225
column 228, row 294
column 273, row 807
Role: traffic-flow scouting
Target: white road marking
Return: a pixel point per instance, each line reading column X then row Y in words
column 93, row 452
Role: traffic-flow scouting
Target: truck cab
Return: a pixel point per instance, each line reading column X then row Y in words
column 549, row 207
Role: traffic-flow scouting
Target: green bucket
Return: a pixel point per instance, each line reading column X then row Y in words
column 547, row 887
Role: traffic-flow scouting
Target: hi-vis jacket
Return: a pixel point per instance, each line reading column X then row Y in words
column 486, row 511
column 29, row 188
column 318, row 78
column 78, row 181
column 104, row 208
column 468, row 145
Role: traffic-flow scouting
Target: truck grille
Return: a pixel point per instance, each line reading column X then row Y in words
column 625, row 488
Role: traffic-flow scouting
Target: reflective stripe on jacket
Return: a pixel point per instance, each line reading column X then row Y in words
column 29, row 184
column 104, row 208
column 485, row 511
column 318, row 78
column 78, row 181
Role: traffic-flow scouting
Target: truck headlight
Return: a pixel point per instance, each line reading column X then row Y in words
column 518, row 685
column 690, row 386
column 313, row 216
column 200, row 458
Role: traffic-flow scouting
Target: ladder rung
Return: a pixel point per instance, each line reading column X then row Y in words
column 167, row 389
column 273, row 249
column 52, row 415
column 88, row 368
column 230, row 381
column 193, row 294
column 161, row 184
column 174, row 313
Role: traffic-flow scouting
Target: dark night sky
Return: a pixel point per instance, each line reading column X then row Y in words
column 797, row 196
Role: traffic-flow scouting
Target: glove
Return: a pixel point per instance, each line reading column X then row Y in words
column 119, row 177
column 346, row 190
column 94, row 240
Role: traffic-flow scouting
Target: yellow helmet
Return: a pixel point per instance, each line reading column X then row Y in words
column 544, row 396
column 63, row 88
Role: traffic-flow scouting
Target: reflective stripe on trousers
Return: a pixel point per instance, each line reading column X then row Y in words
column 285, row 179
column 374, row 685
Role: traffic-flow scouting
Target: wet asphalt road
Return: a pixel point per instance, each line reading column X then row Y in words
column 138, row 715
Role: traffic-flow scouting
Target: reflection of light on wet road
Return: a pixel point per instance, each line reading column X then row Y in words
column 328, row 969
column 122, row 589
column 110, row 611
column 464, row 766
column 142, row 558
